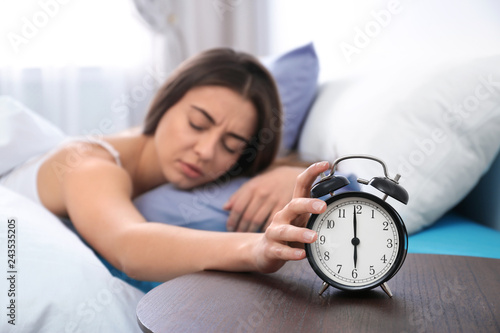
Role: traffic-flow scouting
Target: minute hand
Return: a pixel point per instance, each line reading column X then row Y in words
column 355, row 240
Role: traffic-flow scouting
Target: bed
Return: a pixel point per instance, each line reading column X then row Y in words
column 411, row 121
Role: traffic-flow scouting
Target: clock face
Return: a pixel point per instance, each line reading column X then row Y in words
column 361, row 241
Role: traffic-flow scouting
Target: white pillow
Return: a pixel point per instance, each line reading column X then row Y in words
column 23, row 134
column 438, row 126
column 60, row 285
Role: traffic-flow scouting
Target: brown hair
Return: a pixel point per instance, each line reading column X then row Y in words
column 245, row 75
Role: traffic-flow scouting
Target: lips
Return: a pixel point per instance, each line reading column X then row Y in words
column 190, row 170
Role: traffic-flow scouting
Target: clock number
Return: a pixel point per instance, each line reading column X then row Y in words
column 383, row 259
column 322, row 239
column 372, row 270
column 340, row 267
column 373, row 213
column 386, row 226
column 330, row 224
column 327, row 256
column 358, row 209
column 354, row 273
column 389, row 242
column 342, row 213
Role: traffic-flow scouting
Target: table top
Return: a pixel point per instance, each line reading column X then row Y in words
column 432, row 293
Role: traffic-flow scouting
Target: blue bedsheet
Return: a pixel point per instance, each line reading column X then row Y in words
column 456, row 235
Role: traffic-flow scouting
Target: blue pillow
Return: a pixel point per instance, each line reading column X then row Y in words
column 200, row 208
column 296, row 73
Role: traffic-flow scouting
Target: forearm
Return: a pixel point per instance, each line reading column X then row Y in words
column 158, row 252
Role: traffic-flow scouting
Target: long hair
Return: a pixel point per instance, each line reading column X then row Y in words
column 242, row 73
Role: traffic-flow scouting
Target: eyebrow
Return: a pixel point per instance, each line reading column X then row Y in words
column 212, row 120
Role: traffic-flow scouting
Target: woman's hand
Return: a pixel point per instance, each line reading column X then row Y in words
column 255, row 203
column 285, row 236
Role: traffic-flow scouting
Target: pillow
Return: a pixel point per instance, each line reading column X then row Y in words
column 60, row 285
column 438, row 126
column 200, row 208
column 23, row 134
column 296, row 74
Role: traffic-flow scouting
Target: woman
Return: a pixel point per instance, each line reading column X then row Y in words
column 218, row 115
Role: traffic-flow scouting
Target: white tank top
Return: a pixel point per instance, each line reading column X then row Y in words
column 23, row 178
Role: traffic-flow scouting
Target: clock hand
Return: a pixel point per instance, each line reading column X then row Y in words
column 355, row 240
column 355, row 255
column 354, row 222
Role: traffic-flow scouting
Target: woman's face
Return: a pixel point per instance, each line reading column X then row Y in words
column 203, row 135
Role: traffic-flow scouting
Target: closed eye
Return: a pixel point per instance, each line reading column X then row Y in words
column 231, row 151
column 195, row 127
column 224, row 144
column 234, row 144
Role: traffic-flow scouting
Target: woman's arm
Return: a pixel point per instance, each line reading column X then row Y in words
column 98, row 200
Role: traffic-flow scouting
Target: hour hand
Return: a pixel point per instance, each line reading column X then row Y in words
column 355, row 255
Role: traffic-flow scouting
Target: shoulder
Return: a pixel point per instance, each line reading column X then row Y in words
column 79, row 167
column 76, row 155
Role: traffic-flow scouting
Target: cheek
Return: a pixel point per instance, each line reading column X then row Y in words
column 170, row 136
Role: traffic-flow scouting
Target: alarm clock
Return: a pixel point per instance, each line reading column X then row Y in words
column 362, row 240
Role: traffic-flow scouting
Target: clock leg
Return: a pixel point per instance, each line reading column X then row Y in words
column 323, row 288
column 385, row 287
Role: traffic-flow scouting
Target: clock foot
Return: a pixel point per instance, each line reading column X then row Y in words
column 323, row 288
column 385, row 287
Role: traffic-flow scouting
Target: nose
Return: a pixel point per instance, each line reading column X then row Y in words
column 205, row 146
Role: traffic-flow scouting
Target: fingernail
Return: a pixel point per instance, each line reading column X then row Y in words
column 322, row 164
column 299, row 253
column 318, row 205
column 309, row 235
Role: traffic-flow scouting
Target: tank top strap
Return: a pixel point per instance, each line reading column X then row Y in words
column 106, row 145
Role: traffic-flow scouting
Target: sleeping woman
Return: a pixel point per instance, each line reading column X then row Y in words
column 219, row 115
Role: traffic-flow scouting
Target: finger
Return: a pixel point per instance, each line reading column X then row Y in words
column 261, row 216
column 228, row 204
column 233, row 220
column 297, row 207
column 285, row 252
column 270, row 218
column 248, row 221
column 238, row 209
column 306, row 179
column 286, row 233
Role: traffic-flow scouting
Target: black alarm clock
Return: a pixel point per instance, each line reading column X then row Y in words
column 362, row 240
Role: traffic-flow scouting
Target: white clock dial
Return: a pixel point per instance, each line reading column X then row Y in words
column 358, row 242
